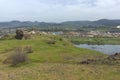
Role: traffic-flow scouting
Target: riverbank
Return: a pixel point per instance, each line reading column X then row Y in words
column 93, row 41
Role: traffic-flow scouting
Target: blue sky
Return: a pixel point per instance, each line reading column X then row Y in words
column 58, row 10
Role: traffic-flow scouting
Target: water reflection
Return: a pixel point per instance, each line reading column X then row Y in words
column 107, row 49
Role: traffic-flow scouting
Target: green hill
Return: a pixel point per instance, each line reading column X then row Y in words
column 53, row 61
column 61, row 51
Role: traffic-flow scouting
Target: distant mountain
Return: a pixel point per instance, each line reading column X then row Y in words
column 101, row 22
column 68, row 24
column 107, row 22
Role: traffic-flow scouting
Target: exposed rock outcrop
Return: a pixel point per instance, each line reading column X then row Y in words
column 110, row 60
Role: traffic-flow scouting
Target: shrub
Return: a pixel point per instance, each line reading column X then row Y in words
column 51, row 42
column 28, row 49
column 60, row 39
column 19, row 56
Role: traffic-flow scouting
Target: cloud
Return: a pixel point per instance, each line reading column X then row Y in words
column 58, row 10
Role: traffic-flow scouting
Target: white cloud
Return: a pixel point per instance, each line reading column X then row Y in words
column 58, row 10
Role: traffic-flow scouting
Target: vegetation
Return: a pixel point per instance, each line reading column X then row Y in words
column 19, row 56
column 7, row 37
column 53, row 61
column 45, row 52
column 113, row 41
column 110, row 60
column 51, row 42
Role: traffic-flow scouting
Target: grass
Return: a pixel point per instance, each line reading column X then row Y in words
column 112, row 41
column 61, row 51
column 60, row 71
column 54, row 61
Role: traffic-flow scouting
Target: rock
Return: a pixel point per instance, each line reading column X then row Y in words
column 116, row 56
column 110, row 60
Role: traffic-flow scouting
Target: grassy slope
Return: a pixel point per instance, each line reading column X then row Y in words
column 62, row 51
column 54, row 62
column 60, row 71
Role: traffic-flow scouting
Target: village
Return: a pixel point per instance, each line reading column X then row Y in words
column 69, row 33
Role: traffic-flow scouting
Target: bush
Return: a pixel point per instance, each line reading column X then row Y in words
column 51, row 42
column 28, row 49
column 61, row 39
column 19, row 56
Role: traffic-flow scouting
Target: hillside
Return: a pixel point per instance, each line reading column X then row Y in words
column 58, row 61
column 46, row 52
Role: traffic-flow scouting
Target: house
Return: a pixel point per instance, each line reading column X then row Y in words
column 92, row 34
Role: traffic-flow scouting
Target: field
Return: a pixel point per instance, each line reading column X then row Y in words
column 60, row 71
column 112, row 41
column 57, row 61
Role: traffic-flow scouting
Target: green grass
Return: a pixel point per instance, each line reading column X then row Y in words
column 113, row 41
column 60, row 71
column 54, row 61
column 62, row 51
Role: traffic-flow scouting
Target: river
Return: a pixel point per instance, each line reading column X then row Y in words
column 106, row 49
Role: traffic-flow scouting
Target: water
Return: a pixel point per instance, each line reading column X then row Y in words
column 107, row 49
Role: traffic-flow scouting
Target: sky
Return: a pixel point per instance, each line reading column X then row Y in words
column 59, row 10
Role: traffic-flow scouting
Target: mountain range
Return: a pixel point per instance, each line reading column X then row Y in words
column 101, row 22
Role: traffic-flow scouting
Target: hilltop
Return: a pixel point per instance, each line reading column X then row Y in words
column 54, row 58
column 47, row 48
